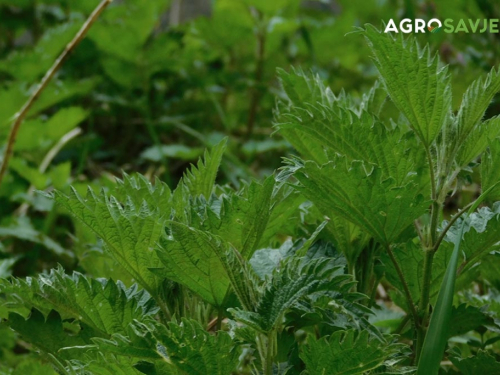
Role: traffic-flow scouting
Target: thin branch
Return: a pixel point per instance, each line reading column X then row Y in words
column 406, row 289
column 20, row 116
column 449, row 225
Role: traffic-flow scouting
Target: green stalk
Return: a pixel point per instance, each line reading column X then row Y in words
column 427, row 277
column 271, row 341
column 265, row 346
column 423, row 306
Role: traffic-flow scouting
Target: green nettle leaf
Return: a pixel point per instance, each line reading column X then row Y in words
column 110, row 367
column 477, row 141
column 358, row 193
column 48, row 334
column 129, row 232
column 195, row 351
column 95, row 363
column 244, row 280
column 482, row 363
column 347, row 237
column 138, row 343
column 490, row 269
column 286, row 286
column 332, row 125
column 300, row 89
column 200, row 179
column 490, row 173
column 466, row 318
column 374, row 101
column 284, row 207
column 346, row 353
column 416, row 83
column 241, row 218
column 475, row 101
column 193, row 258
column 196, row 255
column 139, row 190
column 265, row 261
column 481, row 234
column 102, row 305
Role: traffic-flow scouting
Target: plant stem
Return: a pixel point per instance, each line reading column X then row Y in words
column 423, row 306
column 435, row 209
column 431, row 174
column 20, row 116
column 406, row 289
column 427, row 277
column 268, row 368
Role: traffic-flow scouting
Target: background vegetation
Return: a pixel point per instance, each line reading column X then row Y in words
column 148, row 91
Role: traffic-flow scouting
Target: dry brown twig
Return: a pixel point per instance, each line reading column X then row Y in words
column 20, row 116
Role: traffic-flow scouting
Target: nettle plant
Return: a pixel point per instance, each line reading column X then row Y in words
column 281, row 276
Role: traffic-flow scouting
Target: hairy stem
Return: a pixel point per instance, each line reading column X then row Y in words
column 268, row 366
column 427, row 276
column 435, row 211
column 20, row 116
column 431, row 174
column 423, row 306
